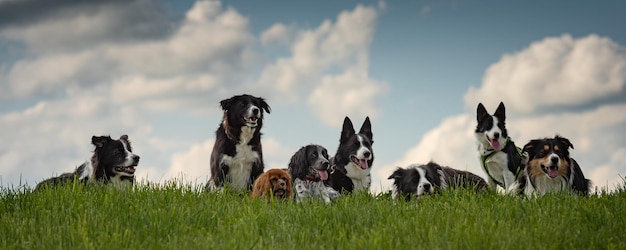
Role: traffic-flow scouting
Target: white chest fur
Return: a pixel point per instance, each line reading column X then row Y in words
column 361, row 178
column 240, row 165
column 544, row 184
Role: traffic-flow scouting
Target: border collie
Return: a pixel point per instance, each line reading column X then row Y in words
column 237, row 157
column 351, row 165
column 309, row 169
column 113, row 162
column 551, row 169
column 499, row 157
column 420, row 180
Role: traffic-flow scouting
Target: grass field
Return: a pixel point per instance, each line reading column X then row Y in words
column 183, row 217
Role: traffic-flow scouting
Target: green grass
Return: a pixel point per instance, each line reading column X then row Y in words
column 183, row 217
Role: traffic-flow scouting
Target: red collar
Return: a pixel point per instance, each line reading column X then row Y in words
column 309, row 178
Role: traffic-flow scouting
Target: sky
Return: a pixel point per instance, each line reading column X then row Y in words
column 156, row 71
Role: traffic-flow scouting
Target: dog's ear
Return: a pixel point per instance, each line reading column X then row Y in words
column 398, row 174
column 529, row 148
column 264, row 105
column 347, row 130
column 262, row 186
column 500, row 112
column 298, row 164
column 564, row 140
column 366, row 129
column 124, row 137
column 481, row 112
column 226, row 103
column 100, row 141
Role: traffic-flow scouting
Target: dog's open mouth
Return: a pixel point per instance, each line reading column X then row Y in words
column 362, row 163
column 552, row 171
column 126, row 169
column 251, row 121
column 279, row 192
column 495, row 144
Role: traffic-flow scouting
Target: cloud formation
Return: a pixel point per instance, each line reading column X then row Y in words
column 116, row 67
column 552, row 73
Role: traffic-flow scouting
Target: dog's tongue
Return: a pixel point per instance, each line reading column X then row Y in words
column 494, row 144
column 553, row 172
column 323, row 174
column 363, row 164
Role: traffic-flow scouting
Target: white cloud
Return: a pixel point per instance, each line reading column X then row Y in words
column 278, row 33
column 352, row 93
column 340, row 44
column 554, row 72
column 548, row 75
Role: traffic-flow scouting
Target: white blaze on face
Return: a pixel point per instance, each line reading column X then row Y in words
column 495, row 143
column 423, row 183
column 130, row 156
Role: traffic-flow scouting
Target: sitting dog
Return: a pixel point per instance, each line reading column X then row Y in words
column 502, row 161
column 308, row 168
column 420, row 180
column 351, row 165
column 237, row 157
column 551, row 169
column 113, row 162
column 273, row 183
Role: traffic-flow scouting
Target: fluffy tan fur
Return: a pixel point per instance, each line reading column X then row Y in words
column 273, row 183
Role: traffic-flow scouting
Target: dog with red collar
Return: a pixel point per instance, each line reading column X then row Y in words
column 309, row 169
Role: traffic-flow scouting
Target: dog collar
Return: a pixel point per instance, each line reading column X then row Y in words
column 309, row 178
column 487, row 157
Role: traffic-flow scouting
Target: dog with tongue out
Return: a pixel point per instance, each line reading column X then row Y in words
column 351, row 165
column 502, row 161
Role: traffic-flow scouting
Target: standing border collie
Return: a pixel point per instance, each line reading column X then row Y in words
column 352, row 163
column 499, row 157
column 420, row 180
column 237, row 157
column 113, row 162
column 309, row 169
column 550, row 169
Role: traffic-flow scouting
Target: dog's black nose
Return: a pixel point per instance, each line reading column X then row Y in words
column 255, row 110
column 426, row 187
column 281, row 184
column 554, row 159
column 135, row 158
column 496, row 135
column 367, row 154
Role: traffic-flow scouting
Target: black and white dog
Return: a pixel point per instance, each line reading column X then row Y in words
column 420, row 180
column 309, row 169
column 113, row 162
column 351, row 165
column 237, row 157
column 499, row 157
column 551, row 169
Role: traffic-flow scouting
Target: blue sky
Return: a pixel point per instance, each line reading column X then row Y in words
column 157, row 70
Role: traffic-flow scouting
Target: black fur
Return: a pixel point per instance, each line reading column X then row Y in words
column 348, row 146
column 535, row 150
column 228, row 135
column 108, row 161
column 307, row 161
column 433, row 179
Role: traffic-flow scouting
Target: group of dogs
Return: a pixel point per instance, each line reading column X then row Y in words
column 541, row 166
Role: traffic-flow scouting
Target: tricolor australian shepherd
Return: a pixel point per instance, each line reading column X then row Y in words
column 551, row 169
column 113, row 162
column 351, row 165
column 420, row 180
column 309, row 169
column 237, row 157
column 499, row 157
